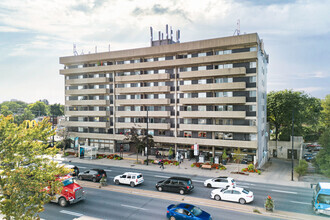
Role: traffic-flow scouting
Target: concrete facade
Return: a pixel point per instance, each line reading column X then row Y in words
column 209, row 92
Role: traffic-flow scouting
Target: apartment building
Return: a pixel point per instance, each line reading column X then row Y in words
column 209, row 92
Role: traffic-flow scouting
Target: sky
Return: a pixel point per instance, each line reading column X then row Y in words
column 35, row 33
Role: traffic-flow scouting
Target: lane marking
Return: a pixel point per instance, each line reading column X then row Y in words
column 71, row 213
column 108, row 170
column 198, row 181
column 133, row 207
column 304, row 203
column 82, row 167
column 243, row 186
column 274, row 190
column 162, row 176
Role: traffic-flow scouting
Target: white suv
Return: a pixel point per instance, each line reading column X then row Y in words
column 220, row 182
column 129, row 178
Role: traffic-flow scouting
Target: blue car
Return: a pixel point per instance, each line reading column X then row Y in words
column 186, row 211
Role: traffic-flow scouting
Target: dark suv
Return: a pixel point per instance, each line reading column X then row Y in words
column 181, row 185
column 93, row 174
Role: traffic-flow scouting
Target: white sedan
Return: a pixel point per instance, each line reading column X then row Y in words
column 234, row 194
column 220, row 182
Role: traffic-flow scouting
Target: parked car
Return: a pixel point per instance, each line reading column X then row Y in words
column 186, row 211
column 93, row 174
column 234, row 194
column 75, row 169
column 181, row 185
column 221, row 181
column 129, row 178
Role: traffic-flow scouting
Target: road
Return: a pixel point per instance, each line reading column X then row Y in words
column 292, row 199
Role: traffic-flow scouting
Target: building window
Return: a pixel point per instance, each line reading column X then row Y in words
column 253, row 137
column 187, row 82
column 202, row 95
column 253, row 93
column 253, row 49
column 187, row 108
column 228, row 66
column 220, row 52
column 252, row 108
column 227, row 52
column 151, row 132
column 202, row 134
column 187, row 95
column 223, row 80
column 161, row 96
column 127, row 120
column 253, row 64
column 201, row 108
column 202, row 121
column 161, row 84
column 187, row 134
column 187, row 121
column 202, row 81
column 224, row 94
column 252, row 79
column 161, row 132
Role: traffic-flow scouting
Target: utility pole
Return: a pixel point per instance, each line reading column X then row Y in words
column 53, row 128
column 147, row 134
column 292, row 156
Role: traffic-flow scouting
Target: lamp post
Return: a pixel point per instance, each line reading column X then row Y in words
column 292, row 156
column 147, row 135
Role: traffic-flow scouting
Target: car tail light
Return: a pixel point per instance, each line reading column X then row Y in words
column 249, row 196
column 187, row 187
column 98, row 175
column 136, row 180
column 168, row 211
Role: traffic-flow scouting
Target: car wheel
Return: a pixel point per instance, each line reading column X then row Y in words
column 94, row 179
column 209, row 185
column 160, row 189
column 181, row 191
column 62, row 202
column 217, row 197
column 242, row 201
column 172, row 218
column 80, row 178
column 117, row 182
column 132, row 184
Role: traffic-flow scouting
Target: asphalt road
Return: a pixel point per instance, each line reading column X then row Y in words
column 113, row 205
column 292, row 199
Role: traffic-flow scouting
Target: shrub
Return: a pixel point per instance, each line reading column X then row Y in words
column 301, row 169
column 250, row 167
column 223, row 168
column 66, row 154
column 192, row 165
column 269, row 204
column 166, row 163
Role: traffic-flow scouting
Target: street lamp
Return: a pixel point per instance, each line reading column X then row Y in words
column 147, row 135
column 292, row 156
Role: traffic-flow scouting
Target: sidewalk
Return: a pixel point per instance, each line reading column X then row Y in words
column 276, row 171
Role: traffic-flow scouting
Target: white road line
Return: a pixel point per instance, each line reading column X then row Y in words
column 198, row 181
column 242, row 186
column 305, row 203
column 71, row 213
column 108, row 170
column 162, row 176
column 82, row 167
column 274, row 190
column 133, row 207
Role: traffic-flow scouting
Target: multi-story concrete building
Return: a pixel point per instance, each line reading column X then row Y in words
column 208, row 92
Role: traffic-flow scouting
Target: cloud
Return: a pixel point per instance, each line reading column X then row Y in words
column 9, row 29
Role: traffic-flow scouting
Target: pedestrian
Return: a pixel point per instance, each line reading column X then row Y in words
column 182, row 157
column 103, row 181
column 161, row 162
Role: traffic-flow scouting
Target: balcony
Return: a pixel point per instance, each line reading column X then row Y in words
column 87, row 102
column 142, row 102
column 152, row 89
column 101, row 80
column 162, row 114
column 87, row 113
column 213, row 86
column 214, row 100
column 224, row 128
column 86, row 91
column 86, row 124
column 162, row 126
column 207, row 142
column 241, row 71
column 213, row 114
column 145, row 77
column 97, row 136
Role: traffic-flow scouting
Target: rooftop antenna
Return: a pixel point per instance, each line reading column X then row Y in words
column 159, row 35
column 95, row 49
column 166, row 31
column 75, row 53
column 171, row 34
column 109, row 48
column 178, row 36
column 238, row 29
column 151, row 34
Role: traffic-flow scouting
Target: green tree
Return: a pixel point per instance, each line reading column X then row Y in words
column 136, row 140
column 301, row 169
column 56, row 109
column 27, row 115
column 238, row 157
column 25, row 169
column 325, row 121
column 281, row 105
column 5, row 111
column 322, row 160
column 39, row 108
column 15, row 106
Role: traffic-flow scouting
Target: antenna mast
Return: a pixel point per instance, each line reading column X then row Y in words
column 238, row 29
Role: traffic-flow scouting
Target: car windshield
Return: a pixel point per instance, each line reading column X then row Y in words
column 139, row 176
column 189, row 182
column 67, row 181
column 245, row 191
column 196, row 211
column 322, row 198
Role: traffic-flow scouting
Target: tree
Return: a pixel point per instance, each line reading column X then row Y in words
column 134, row 138
column 322, row 160
column 5, row 111
column 325, row 112
column 281, row 105
column 301, row 169
column 39, row 108
column 27, row 115
column 56, row 109
column 25, row 169
column 238, row 157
